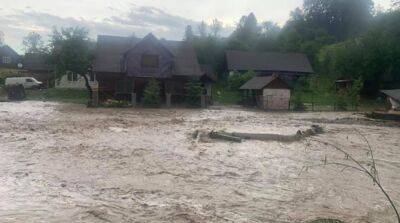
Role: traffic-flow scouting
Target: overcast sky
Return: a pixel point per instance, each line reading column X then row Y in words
column 165, row 18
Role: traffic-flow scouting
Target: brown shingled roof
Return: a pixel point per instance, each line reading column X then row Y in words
column 273, row 62
column 260, row 82
column 36, row 62
column 109, row 55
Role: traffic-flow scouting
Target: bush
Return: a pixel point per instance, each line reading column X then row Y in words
column 116, row 104
column 151, row 96
column 194, row 91
column 236, row 80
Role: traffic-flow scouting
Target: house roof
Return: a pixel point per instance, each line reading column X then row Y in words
column 274, row 62
column 110, row 50
column 6, row 50
column 36, row 62
column 259, row 82
column 395, row 94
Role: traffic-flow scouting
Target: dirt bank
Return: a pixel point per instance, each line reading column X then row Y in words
column 65, row 163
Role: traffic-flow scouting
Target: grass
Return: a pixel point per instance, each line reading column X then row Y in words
column 223, row 95
column 77, row 96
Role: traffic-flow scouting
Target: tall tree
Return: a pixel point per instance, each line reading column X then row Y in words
column 216, row 27
column 202, row 29
column 33, row 43
column 70, row 51
column 340, row 18
column 189, row 33
column 247, row 29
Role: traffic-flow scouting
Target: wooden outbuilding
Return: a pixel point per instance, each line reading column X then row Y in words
column 393, row 97
column 268, row 92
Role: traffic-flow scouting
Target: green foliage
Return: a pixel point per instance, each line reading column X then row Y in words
column 33, row 43
column 236, row 80
column 320, row 90
column 116, row 104
column 193, row 93
column 70, row 50
column 223, row 95
column 151, row 96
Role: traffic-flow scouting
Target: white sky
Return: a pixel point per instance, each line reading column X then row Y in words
column 165, row 18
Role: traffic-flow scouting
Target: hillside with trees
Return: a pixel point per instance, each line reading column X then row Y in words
column 344, row 39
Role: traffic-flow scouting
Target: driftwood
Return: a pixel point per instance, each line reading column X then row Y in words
column 238, row 137
column 224, row 136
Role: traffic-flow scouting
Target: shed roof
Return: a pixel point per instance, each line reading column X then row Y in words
column 268, row 61
column 395, row 94
column 259, row 82
column 110, row 50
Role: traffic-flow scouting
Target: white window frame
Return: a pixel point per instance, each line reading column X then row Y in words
column 6, row 60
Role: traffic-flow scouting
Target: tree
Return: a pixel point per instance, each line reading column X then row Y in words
column 202, row 29
column 151, row 95
column 70, row 51
column 33, row 43
column 247, row 29
column 340, row 18
column 194, row 91
column 189, row 33
column 216, row 28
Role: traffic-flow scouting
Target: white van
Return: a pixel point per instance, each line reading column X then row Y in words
column 27, row 82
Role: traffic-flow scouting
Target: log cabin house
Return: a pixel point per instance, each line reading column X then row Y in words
column 124, row 65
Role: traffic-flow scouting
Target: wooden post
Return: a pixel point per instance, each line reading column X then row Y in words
column 203, row 101
column 95, row 96
column 168, row 101
column 133, row 94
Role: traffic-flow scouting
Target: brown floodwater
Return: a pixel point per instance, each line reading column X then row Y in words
column 66, row 163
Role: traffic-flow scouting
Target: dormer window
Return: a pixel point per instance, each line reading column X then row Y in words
column 150, row 61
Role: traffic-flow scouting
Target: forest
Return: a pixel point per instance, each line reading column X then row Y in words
column 344, row 39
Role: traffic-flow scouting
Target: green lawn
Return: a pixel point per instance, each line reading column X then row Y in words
column 223, row 95
column 77, row 96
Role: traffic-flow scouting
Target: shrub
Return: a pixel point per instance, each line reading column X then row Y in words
column 341, row 103
column 116, row 104
column 236, row 80
column 151, row 96
column 193, row 95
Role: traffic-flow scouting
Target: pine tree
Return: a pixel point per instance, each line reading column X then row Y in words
column 151, row 97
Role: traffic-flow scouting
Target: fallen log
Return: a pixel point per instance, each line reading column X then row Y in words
column 237, row 136
column 224, row 136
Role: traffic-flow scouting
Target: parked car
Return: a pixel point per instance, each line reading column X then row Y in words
column 27, row 82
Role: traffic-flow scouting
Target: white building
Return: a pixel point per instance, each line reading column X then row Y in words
column 75, row 81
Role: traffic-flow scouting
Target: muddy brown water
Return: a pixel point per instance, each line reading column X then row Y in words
column 66, row 163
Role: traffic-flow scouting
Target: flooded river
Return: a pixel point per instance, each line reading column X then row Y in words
column 66, row 163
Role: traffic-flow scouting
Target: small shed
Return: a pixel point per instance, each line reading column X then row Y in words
column 394, row 98
column 268, row 92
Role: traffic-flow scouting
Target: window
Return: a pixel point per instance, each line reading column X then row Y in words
column 72, row 76
column 150, row 61
column 28, row 80
column 6, row 60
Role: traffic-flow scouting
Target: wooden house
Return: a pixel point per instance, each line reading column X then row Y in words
column 8, row 57
column 289, row 66
column 124, row 65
